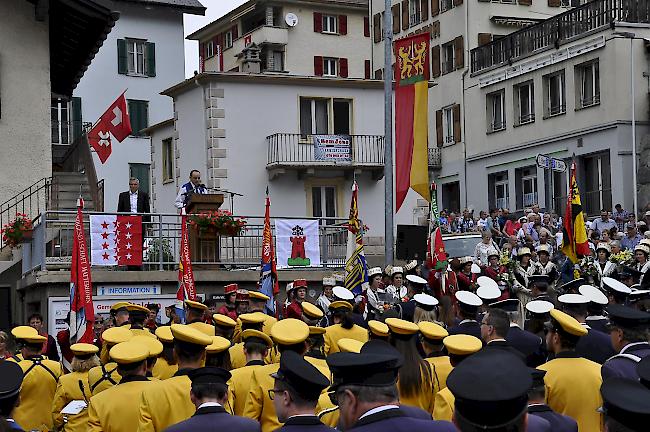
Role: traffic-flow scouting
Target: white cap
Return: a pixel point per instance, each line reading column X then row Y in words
column 396, row 270
column 468, row 298
column 416, row 279
column 484, row 281
column 574, row 299
column 329, row 281
column 411, row 265
column 465, row 259
column 342, row 293
column 425, row 299
column 488, row 292
column 616, row 285
column 338, row 277
column 539, row 306
column 594, row 294
column 375, row 271
column 289, row 286
column 476, row 269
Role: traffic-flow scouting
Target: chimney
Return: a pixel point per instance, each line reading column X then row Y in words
column 251, row 62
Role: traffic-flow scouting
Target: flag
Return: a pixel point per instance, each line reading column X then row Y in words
column 115, row 121
column 574, row 233
column 411, row 116
column 268, row 271
column 186, row 287
column 116, row 240
column 356, row 268
column 82, row 312
column 436, row 255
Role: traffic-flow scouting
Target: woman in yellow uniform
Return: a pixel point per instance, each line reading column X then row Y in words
column 249, row 321
column 431, row 336
column 74, row 386
column 155, row 348
column 106, row 375
column 166, row 365
column 217, row 353
column 343, row 327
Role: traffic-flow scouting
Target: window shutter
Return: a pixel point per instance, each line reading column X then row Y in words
column 396, row 19
column 343, row 24
column 318, row 22
column 366, row 26
column 150, row 48
column 405, row 14
column 366, row 69
column 435, row 61
column 484, row 38
column 318, row 65
column 526, row 2
column 424, row 10
column 435, row 29
column 376, row 27
column 460, row 2
column 435, row 7
column 202, row 55
column 439, row 128
column 343, row 67
column 235, row 32
column 459, row 53
column 456, row 115
column 122, row 60
column 76, row 118
column 554, row 3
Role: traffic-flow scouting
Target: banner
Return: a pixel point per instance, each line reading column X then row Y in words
column 115, row 121
column 333, row 148
column 116, row 240
column 411, row 117
column 82, row 316
column 297, row 243
column 268, row 272
column 574, row 233
column 186, row 287
column 356, row 268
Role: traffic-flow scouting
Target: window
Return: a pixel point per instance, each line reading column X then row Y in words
column 209, row 49
column 529, row 186
column 525, row 103
column 588, row 80
column 498, row 194
column 554, row 100
column 136, row 57
column 323, row 200
column 414, row 12
column 167, row 160
column 278, row 61
column 139, row 115
column 448, row 57
column 330, row 67
column 448, row 125
column 330, row 24
column 60, row 116
column 321, row 116
column 445, row 5
column 496, row 111
column 228, row 40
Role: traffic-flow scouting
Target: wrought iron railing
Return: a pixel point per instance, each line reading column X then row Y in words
column 31, row 201
column 435, row 157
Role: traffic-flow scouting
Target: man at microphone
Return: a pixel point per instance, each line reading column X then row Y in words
column 194, row 186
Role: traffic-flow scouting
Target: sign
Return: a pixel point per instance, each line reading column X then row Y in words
column 130, row 290
column 547, row 162
column 297, row 243
column 333, row 148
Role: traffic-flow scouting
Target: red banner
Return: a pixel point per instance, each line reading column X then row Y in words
column 186, row 287
column 82, row 313
column 128, row 240
column 115, row 121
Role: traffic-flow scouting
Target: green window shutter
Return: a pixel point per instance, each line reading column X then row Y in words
column 122, row 60
column 134, row 116
column 139, row 115
column 144, row 117
column 76, row 118
column 150, row 52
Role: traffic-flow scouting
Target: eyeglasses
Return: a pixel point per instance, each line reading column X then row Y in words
column 272, row 393
column 333, row 397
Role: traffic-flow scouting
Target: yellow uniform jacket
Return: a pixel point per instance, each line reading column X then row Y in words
column 164, row 403
column 163, row 370
column 258, row 405
column 238, row 356
column 103, row 377
column 117, row 409
column 440, row 369
column 70, row 388
column 425, row 396
column 239, row 384
column 37, row 393
column 335, row 332
column 444, row 405
column 573, row 389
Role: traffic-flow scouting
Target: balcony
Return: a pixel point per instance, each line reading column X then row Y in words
column 435, row 158
column 287, row 151
column 263, row 35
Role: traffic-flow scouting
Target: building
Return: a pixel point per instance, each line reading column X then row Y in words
column 143, row 55
column 310, row 37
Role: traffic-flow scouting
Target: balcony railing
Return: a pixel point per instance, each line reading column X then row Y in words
column 435, row 157
column 530, row 199
column 557, row 30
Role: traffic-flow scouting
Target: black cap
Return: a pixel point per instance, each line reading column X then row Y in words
column 538, row 377
column 638, row 295
column 490, row 387
column 209, row 375
column 301, row 375
column 377, row 366
column 643, row 370
column 627, row 402
column 508, row 305
column 629, row 272
column 627, row 317
column 538, row 278
column 11, row 378
column 571, row 285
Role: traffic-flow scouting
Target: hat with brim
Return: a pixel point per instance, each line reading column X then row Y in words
column 119, row 307
column 616, row 287
column 595, row 295
column 415, row 279
column 230, row 288
column 164, row 334
column 604, row 246
column 209, row 375
column 562, row 322
column 253, row 318
column 115, row 335
column 572, row 285
column 396, row 270
column 523, row 251
column 340, row 306
column 342, row 293
column 402, row 328
column 289, row 331
column 627, row 402
column 258, row 296
column 217, row 345
column 374, row 271
column 135, row 308
column 378, row 328
column 468, row 301
column 349, row 345
column 12, row 379
column 154, row 346
column 508, row 305
column 488, row 293
column 425, row 301
column 543, row 248
column 204, row 328
column 129, row 352
column 242, row 296
column 257, row 336
column 462, row 344
column 84, row 350
column 315, row 330
column 223, row 321
column 432, row 332
column 311, row 311
column 643, row 248
column 300, row 283
column 189, row 335
column 197, row 306
column 539, row 307
column 367, row 369
column 627, row 317
column 27, row 334
column 301, row 376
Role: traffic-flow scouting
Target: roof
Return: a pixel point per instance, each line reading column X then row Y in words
column 162, row 124
column 193, row 7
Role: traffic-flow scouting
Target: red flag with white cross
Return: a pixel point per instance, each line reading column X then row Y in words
column 115, row 240
column 115, row 121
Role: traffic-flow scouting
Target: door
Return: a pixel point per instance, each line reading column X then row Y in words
column 324, row 202
column 141, row 172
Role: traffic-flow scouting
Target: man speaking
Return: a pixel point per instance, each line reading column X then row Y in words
column 194, row 186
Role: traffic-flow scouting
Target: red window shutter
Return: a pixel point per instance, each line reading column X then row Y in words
column 318, row 22
column 366, row 69
column 318, row 65
column 366, row 26
column 202, row 56
column 343, row 67
column 343, row 24
column 439, row 137
column 234, row 30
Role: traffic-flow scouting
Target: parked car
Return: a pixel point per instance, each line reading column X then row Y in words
column 461, row 245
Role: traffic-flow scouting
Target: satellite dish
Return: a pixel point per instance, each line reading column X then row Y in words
column 291, row 19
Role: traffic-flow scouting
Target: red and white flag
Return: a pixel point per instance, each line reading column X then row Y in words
column 82, row 312
column 115, row 121
column 116, row 240
column 186, row 287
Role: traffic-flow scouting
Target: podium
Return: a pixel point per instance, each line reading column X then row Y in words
column 204, row 245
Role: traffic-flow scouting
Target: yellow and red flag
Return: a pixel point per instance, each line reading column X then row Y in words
column 411, row 116
column 574, row 233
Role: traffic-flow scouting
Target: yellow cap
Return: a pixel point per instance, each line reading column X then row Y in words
column 254, row 295
column 83, row 349
column 223, row 320
column 289, row 331
column 402, row 327
column 115, row 335
column 349, row 345
column 129, row 352
column 340, row 304
column 315, row 330
column 432, row 330
column 568, row 323
column 204, row 328
column 219, row 344
column 137, row 308
column 311, row 311
column 378, row 328
column 27, row 334
column 191, row 335
column 154, row 346
column 195, row 305
column 462, row 344
column 252, row 318
column 256, row 334
column 164, row 333
column 120, row 305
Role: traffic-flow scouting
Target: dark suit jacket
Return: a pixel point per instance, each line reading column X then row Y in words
column 307, row 424
column 623, row 366
column 124, row 204
column 215, row 418
column 529, row 344
column 599, row 324
column 394, row 420
column 472, row 328
column 538, row 424
column 504, row 346
column 559, row 422
column 595, row 346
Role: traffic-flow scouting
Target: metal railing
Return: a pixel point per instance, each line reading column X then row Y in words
column 65, row 132
column 435, row 157
column 31, row 201
column 529, row 199
column 289, row 149
column 558, row 30
column 161, row 242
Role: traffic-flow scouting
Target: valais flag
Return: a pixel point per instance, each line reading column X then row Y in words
column 116, row 240
column 82, row 312
column 115, row 121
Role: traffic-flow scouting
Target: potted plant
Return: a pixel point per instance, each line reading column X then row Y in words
column 17, row 231
column 220, row 222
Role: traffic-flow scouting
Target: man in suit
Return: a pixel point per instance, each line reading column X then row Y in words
column 628, row 334
column 134, row 200
column 529, row 344
column 466, row 311
column 209, row 393
column 537, row 406
column 194, row 186
column 494, row 328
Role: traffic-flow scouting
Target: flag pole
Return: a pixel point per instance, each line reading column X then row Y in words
column 388, row 133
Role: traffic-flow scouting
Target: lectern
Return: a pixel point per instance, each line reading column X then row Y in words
column 203, row 202
column 204, row 246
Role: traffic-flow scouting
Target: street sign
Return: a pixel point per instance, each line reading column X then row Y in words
column 547, row 162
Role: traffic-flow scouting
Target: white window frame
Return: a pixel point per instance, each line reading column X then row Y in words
column 330, row 67
column 330, row 112
column 62, row 110
column 330, row 24
column 588, row 69
column 529, row 199
column 227, row 39
column 209, row 49
column 501, row 201
column 529, row 88
column 448, row 57
column 448, row 125
column 167, row 156
column 560, row 107
column 136, row 53
column 323, row 203
column 496, row 102
column 415, row 12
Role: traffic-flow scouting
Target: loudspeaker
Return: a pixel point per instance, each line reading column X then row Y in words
column 411, row 242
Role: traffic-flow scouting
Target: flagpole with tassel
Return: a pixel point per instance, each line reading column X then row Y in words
column 388, row 133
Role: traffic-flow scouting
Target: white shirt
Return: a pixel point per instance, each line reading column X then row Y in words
column 133, row 197
column 378, row 409
column 209, row 404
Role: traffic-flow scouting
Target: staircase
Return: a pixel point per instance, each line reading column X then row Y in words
column 66, row 188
